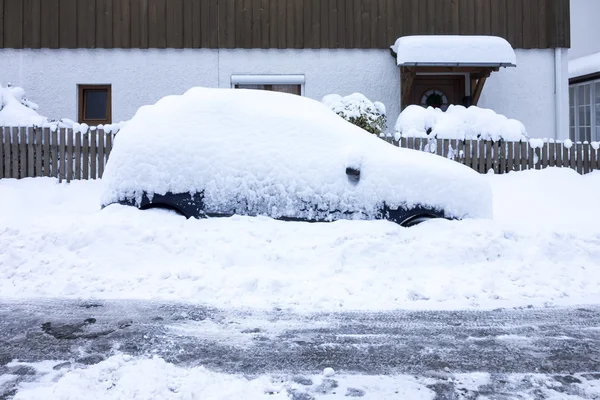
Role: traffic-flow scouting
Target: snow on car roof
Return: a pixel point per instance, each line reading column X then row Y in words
column 582, row 66
column 276, row 151
column 455, row 50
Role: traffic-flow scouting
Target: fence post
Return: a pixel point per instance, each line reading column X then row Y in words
column 93, row 147
column 38, row 152
column 47, row 157
column 78, row 155
column 1, row 152
column 586, row 157
column 69, row 155
column 101, row 134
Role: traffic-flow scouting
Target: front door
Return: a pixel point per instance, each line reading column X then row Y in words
column 438, row 91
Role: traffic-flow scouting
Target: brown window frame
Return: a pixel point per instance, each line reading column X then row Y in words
column 81, row 104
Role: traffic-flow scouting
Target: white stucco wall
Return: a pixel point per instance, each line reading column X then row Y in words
column 140, row 77
column 585, row 28
column 527, row 92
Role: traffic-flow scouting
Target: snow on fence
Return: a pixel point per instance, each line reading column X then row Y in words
column 60, row 153
column 67, row 155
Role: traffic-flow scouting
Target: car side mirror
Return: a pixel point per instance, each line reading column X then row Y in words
column 353, row 174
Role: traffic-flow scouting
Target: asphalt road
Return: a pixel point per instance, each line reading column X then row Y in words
column 558, row 342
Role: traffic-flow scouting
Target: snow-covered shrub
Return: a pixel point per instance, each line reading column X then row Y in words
column 17, row 110
column 458, row 122
column 359, row 110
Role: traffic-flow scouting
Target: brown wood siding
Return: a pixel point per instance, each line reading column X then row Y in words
column 274, row 23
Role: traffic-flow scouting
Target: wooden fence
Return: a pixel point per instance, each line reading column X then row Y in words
column 59, row 153
column 503, row 157
column 63, row 154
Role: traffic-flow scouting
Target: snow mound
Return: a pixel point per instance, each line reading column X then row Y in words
column 359, row 110
column 582, row 66
column 458, row 122
column 277, row 153
column 65, row 246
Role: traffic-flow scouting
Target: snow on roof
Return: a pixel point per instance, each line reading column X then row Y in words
column 586, row 65
column 455, row 50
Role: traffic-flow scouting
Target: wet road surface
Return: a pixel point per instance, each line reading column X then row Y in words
column 558, row 342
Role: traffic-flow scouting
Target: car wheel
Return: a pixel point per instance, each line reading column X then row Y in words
column 417, row 219
column 162, row 206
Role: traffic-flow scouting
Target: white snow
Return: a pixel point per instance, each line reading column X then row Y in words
column 278, row 152
column 586, row 65
column 454, row 50
column 543, row 246
column 457, row 122
column 138, row 378
column 123, row 377
column 16, row 110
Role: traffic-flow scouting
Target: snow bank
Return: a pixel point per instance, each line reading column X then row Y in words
column 539, row 249
column 584, row 65
column 283, row 155
column 359, row 110
column 453, row 50
column 458, row 122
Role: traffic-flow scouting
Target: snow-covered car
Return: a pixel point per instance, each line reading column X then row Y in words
column 220, row 152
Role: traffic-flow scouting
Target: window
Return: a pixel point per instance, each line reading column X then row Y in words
column 584, row 111
column 293, row 84
column 95, row 104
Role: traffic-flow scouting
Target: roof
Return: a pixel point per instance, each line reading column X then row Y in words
column 274, row 24
column 453, row 50
column 584, row 66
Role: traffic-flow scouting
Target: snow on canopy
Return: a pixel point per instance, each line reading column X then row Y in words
column 454, row 50
column 582, row 66
column 276, row 152
column 458, row 122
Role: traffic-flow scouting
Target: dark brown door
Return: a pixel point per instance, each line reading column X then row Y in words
column 438, row 90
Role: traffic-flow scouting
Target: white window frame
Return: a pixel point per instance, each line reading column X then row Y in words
column 261, row 79
column 574, row 102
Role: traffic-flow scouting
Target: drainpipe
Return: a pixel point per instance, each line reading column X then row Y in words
column 558, row 94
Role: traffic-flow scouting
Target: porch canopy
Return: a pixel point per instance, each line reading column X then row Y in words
column 478, row 56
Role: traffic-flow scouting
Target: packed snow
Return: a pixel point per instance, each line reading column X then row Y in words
column 281, row 155
column 359, row 110
column 454, row 50
column 543, row 247
column 457, row 122
column 584, row 65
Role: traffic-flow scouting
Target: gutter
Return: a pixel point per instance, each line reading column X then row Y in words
column 558, row 93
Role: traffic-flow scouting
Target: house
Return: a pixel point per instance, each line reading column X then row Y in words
column 584, row 71
column 97, row 61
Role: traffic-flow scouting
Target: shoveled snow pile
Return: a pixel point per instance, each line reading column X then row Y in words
column 122, row 377
column 282, row 155
column 458, row 122
column 586, row 65
column 358, row 110
column 453, row 50
column 540, row 248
